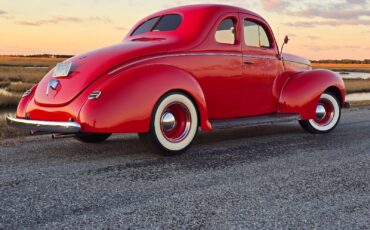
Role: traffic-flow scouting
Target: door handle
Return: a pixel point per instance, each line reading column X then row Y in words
column 248, row 62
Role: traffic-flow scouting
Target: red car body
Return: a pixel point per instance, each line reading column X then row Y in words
column 225, row 81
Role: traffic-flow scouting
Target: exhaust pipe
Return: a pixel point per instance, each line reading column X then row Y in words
column 57, row 136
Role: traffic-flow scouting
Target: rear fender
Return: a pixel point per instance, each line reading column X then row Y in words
column 128, row 99
column 302, row 92
column 23, row 103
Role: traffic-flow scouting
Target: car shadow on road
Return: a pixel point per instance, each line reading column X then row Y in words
column 215, row 150
column 131, row 144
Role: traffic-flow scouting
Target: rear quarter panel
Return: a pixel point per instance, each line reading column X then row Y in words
column 129, row 97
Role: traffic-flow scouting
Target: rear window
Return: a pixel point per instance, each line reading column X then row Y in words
column 145, row 27
column 168, row 23
column 165, row 23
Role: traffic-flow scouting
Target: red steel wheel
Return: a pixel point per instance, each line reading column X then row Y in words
column 175, row 122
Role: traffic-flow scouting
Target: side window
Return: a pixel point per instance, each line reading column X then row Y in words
column 145, row 27
column 255, row 35
column 226, row 32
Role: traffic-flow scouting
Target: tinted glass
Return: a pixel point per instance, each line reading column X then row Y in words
column 255, row 35
column 145, row 27
column 168, row 23
column 226, row 32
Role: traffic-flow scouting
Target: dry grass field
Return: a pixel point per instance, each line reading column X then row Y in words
column 365, row 68
column 29, row 61
column 17, row 74
column 357, row 85
column 8, row 132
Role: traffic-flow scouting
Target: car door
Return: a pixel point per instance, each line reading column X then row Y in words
column 219, row 69
column 260, row 67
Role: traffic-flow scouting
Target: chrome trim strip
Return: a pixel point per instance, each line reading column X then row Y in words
column 174, row 55
column 44, row 126
column 260, row 57
column 192, row 54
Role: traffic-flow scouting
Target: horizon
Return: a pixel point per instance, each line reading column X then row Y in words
column 311, row 25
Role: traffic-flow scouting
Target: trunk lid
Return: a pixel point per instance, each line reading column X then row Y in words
column 89, row 67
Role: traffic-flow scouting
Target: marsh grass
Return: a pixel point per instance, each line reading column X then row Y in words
column 29, row 61
column 360, row 103
column 357, row 85
column 9, row 132
column 15, row 74
column 19, row 87
column 7, row 101
column 4, row 84
column 364, row 68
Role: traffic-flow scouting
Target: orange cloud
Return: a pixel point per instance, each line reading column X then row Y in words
column 60, row 19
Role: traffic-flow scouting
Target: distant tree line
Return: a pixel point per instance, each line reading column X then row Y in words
column 343, row 61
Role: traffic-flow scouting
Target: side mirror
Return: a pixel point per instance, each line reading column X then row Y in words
column 286, row 40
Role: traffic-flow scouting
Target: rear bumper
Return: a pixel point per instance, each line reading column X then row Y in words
column 44, row 126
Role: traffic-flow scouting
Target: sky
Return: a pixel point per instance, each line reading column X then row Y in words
column 318, row 29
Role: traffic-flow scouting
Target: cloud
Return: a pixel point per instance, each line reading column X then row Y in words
column 344, row 22
column 25, row 23
column 274, row 4
column 189, row 2
column 121, row 28
column 356, row 2
column 331, row 13
column 2, row 12
column 62, row 19
column 332, row 47
column 343, row 13
column 312, row 37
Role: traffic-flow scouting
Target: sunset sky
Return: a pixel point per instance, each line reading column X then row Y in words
column 325, row 29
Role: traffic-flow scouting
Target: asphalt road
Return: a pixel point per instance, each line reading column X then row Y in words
column 262, row 177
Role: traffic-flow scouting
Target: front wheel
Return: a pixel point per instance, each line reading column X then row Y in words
column 328, row 113
column 174, row 125
column 92, row 137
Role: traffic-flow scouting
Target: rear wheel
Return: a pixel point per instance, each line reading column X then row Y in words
column 328, row 113
column 174, row 125
column 92, row 137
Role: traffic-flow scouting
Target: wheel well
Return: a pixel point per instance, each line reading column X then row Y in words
column 334, row 90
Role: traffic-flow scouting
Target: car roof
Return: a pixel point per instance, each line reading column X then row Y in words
column 206, row 8
column 197, row 22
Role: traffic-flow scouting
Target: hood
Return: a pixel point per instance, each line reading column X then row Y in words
column 87, row 68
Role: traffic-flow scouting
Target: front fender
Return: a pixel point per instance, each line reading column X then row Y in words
column 128, row 99
column 302, row 91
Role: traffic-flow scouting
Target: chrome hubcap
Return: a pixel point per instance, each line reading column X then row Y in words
column 320, row 112
column 168, row 121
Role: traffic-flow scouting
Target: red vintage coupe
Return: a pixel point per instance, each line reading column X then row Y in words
column 207, row 66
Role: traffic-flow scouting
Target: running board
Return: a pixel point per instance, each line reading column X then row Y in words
column 254, row 121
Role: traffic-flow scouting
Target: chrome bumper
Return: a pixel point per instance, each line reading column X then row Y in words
column 44, row 126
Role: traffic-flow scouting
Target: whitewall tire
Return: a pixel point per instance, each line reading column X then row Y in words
column 328, row 113
column 174, row 124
